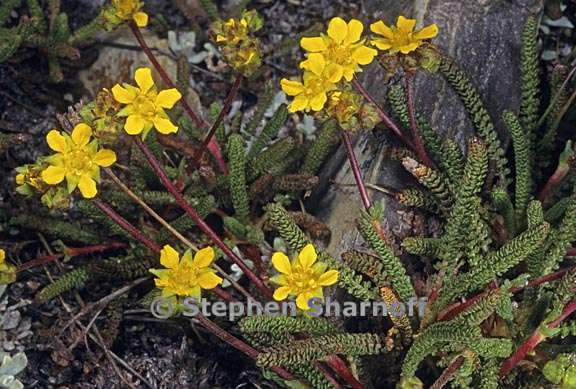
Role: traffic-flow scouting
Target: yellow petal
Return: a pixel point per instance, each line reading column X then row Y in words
column 328, row 278
column 143, row 77
column 105, row 158
column 291, row 88
column 208, row 280
column 164, row 126
column 81, row 134
column 134, row 124
column 123, row 95
column 317, row 102
column 204, row 257
column 167, row 98
column 307, row 256
column 141, row 19
column 53, row 175
column 313, row 45
column 382, row 29
column 364, row 55
column 302, row 300
column 56, row 141
column 409, row 47
column 2, row 255
column 87, row 186
column 281, row 293
column 333, row 72
column 281, row 263
column 169, row 258
column 405, row 24
column 315, row 63
column 349, row 73
column 382, row 44
column 300, row 103
column 427, row 32
column 355, row 28
column 337, row 29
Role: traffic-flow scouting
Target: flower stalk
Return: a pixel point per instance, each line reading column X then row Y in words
column 198, row 220
column 420, row 149
column 383, row 115
column 126, row 225
column 338, row 365
column 355, row 169
column 227, row 105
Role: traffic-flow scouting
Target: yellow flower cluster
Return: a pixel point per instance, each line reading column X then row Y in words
column 120, row 11
column 302, row 278
column 237, row 42
column 340, row 53
column 185, row 277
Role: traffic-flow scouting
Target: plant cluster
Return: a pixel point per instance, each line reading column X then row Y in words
column 501, row 290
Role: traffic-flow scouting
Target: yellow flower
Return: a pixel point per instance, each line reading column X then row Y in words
column 185, row 277
column 343, row 105
column 77, row 159
column 402, row 37
column 130, row 9
column 342, row 46
column 303, row 278
column 144, row 105
column 319, row 79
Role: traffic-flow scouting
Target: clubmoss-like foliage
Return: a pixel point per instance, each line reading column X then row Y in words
column 269, row 132
column 478, row 114
column 237, row 177
column 74, row 279
column 530, row 78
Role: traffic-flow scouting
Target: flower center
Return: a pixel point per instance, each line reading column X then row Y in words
column 144, row 106
column 302, row 280
column 78, row 162
column 402, row 38
column 339, row 54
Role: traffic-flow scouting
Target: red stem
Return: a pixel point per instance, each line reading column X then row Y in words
column 385, row 118
column 328, row 374
column 213, row 146
column 72, row 252
column 342, row 370
column 239, row 344
column 448, row 373
column 227, row 104
column 197, row 219
column 420, row 149
column 534, row 340
column 153, row 246
column 456, row 309
column 355, row 169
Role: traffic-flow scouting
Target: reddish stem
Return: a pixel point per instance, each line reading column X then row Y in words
column 355, row 169
column 199, row 122
column 385, row 118
column 197, row 219
column 125, row 224
column 448, row 373
column 239, row 344
column 338, row 365
column 72, row 252
column 227, row 105
column 456, row 309
column 555, row 180
column 328, row 374
column 534, row 340
column 420, row 149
